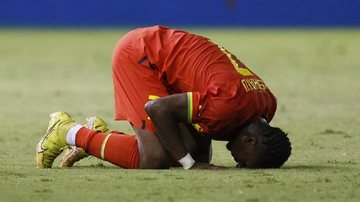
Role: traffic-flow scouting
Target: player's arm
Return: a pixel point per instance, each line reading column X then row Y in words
column 165, row 113
column 199, row 146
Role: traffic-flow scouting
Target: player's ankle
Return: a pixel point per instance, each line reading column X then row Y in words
column 71, row 134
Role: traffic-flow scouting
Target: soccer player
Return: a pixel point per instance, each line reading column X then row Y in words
column 163, row 79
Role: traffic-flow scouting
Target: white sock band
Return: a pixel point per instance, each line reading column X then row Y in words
column 71, row 134
column 187, row 161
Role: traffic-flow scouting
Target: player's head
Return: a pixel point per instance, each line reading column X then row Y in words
column 259, row 145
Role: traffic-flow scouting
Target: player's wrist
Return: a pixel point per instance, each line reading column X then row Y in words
column 187, row 161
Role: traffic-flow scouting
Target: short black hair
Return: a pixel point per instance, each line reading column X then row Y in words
column 277, row 152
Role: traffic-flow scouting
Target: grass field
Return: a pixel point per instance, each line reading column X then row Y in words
column 313, row 73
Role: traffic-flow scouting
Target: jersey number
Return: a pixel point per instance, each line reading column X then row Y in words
column 240, row 70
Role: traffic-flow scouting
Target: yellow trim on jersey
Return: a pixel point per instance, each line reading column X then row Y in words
column 153, row 97
column 102, row 151
column 190, row 107
column 197, row 127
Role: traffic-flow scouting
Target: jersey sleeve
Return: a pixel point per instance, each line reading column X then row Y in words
column 193, row 106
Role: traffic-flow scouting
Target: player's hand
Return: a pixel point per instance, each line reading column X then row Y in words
column 207, row 166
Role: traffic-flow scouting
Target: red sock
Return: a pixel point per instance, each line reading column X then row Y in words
column 116, row 148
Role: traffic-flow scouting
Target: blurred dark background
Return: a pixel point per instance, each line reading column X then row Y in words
column 114, row 13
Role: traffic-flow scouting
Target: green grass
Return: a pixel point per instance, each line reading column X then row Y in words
column 313, row 73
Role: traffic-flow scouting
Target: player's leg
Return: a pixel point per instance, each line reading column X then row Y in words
column 152, row 154
column 73, row 154
column 135, row 83
column 117, row 148
column 143, row 152
column 113, row 152
column 120, row 149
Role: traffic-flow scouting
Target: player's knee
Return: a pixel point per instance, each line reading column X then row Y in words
column 150, row 107
column 155, row 160
column 152, row 154
column 156, row 107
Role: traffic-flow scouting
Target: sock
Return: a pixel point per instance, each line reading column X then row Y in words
column 71, row 134
column 117, row 148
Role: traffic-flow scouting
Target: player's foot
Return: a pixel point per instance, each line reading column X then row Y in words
column 73, row 154
column 96, row 123
column 54, row 139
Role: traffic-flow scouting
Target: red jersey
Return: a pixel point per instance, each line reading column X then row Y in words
column 226, row 95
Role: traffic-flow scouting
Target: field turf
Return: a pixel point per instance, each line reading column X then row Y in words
column 313, row 73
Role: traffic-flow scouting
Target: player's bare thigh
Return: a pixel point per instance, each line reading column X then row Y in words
column 152, row 154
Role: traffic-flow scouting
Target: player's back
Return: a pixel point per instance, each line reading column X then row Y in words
column 183, row 60
column 232, row 94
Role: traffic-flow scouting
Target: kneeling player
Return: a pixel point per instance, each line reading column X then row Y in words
column 184, row 78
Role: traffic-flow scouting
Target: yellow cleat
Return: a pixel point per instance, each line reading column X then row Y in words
column 54, row 140
column 73, row 154
column 96, row 123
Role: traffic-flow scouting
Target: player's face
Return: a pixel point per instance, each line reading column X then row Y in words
column 246, row 149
